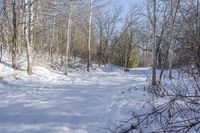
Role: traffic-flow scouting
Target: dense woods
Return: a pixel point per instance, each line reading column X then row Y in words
column 92, row 31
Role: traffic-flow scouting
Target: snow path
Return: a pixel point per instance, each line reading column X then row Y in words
column 49, row 102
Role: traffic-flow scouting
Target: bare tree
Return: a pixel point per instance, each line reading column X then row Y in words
column 14, row 36
column 107, row 22
column 68, row 37
column 89, row 35
column 173, row 19
column 154, row 60
column 29, row 33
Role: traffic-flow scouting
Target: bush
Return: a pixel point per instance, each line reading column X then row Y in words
column 178, row 110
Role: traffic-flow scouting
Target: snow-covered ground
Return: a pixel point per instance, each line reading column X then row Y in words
column 82, row 102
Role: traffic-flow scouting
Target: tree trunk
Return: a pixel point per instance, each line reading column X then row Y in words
column 170, row 62
column 129, row 50
column 89, row 35
column 68, row 38
column 154, row 46
column 128, row 56
column 100, row 45
column 170, row 57
column 1, row 51
column 29, row 34
column 14, row 37
column 159, row 58
column 173, row 18
column 198, row 37
column 53, row 31
column 22, row 35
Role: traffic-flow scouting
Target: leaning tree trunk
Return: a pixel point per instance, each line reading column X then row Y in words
column 170, row 56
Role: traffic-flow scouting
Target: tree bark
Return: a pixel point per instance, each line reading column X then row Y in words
column 89, row 35
column 29, row 34
column 100, row 45
column 1, row 51
column 129, row 50
column 14, row 36
column 154, row 46
column 173, row 18
column 68, row 38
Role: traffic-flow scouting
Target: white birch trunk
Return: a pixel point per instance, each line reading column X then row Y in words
column 89, row 35
column 68, row 38
column 28, row 34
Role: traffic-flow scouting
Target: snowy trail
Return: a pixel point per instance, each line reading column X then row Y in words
column 49, row 102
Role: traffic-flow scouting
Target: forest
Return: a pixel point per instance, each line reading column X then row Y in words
column 99, row 66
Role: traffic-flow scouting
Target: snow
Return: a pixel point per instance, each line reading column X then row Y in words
column 82, row 102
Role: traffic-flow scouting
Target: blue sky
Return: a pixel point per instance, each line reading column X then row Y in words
column 125, row 4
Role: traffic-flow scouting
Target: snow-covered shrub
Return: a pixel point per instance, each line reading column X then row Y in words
column 177, row 111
